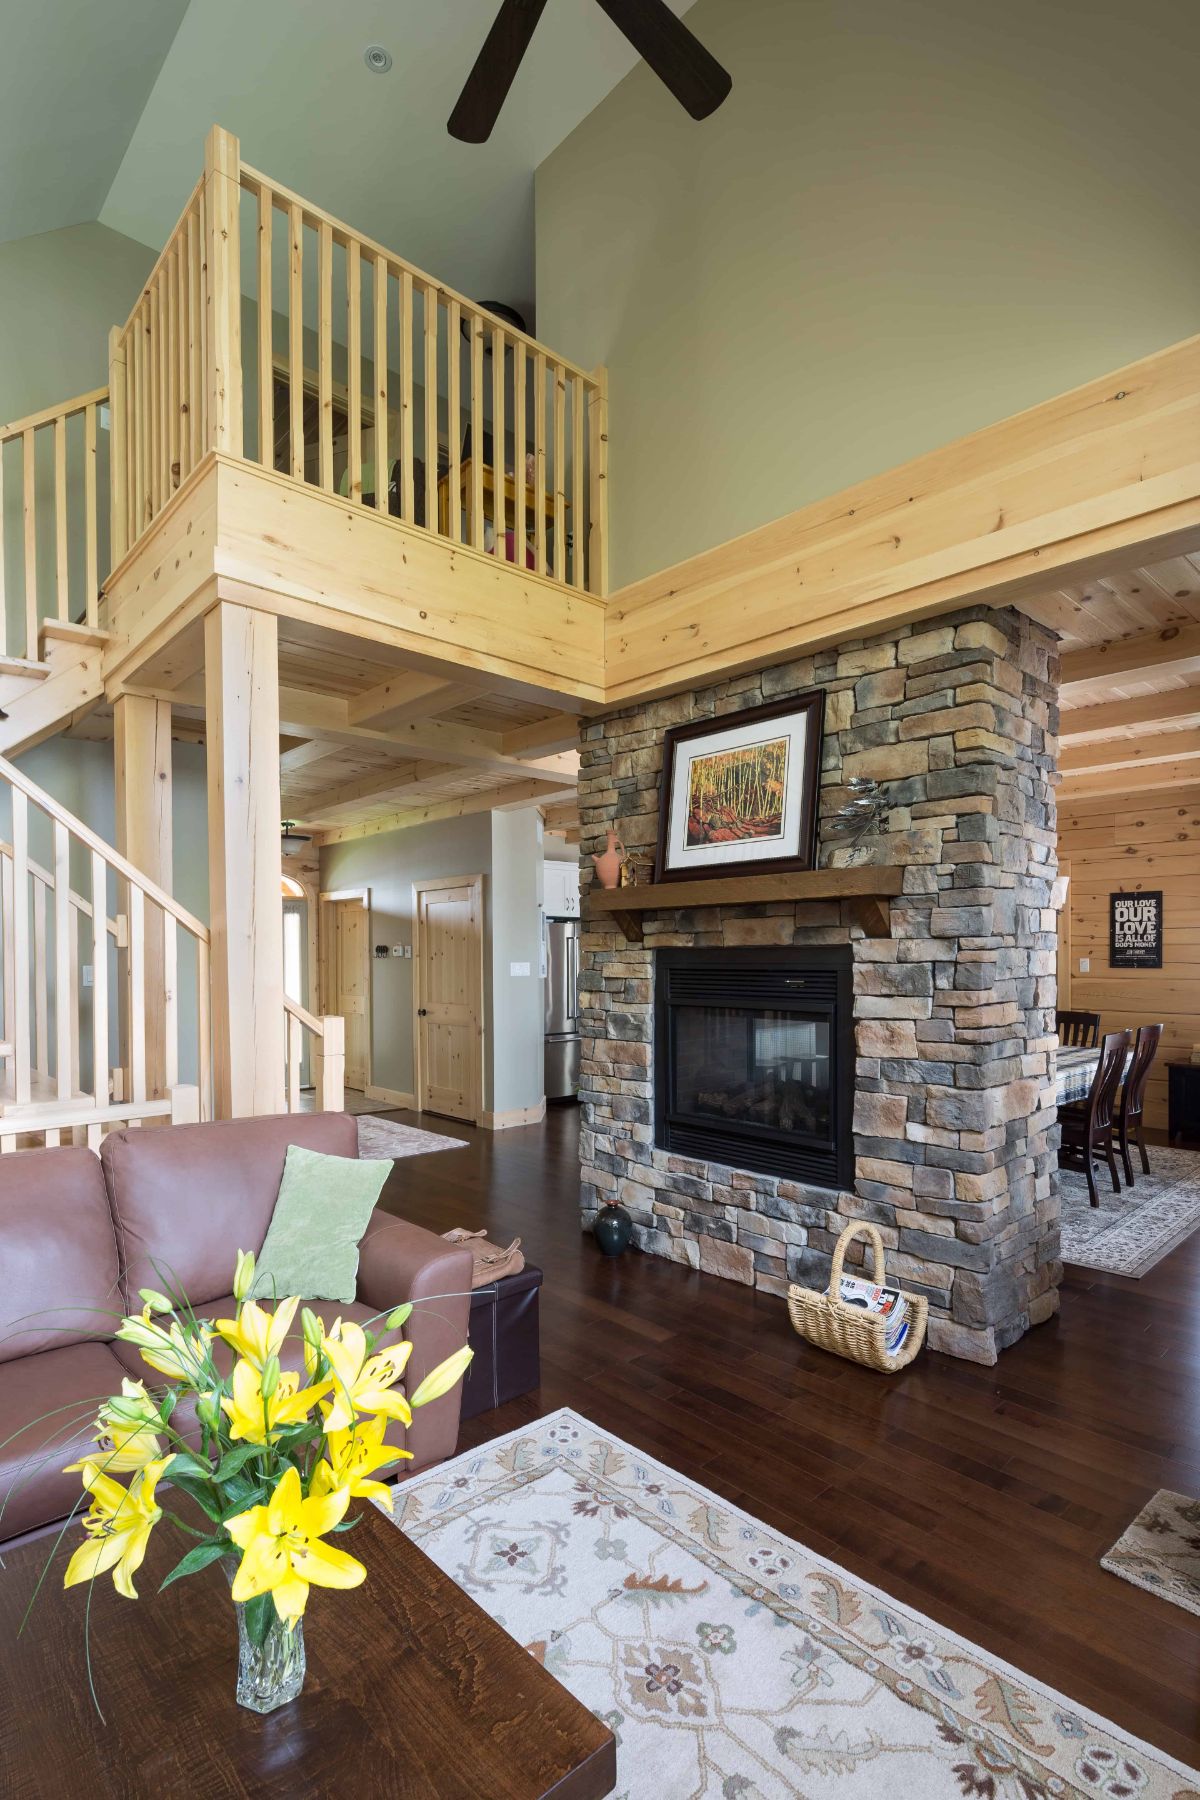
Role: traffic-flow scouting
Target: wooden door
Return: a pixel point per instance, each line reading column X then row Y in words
column 448, row 994
column 348, row 973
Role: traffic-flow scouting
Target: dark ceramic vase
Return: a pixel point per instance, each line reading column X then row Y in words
column 613, row 1230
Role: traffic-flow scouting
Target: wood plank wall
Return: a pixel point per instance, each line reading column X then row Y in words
column 1146, row 841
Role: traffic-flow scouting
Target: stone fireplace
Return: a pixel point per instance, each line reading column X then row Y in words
column 911, row 1082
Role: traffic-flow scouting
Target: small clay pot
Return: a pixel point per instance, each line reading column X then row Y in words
column 608, row 862
column 613, row 1230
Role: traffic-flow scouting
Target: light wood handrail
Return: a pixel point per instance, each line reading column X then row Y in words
column 66, row 409
column 328, row 1056
column 73, row 504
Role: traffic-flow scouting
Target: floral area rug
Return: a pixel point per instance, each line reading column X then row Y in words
column 732, row 1663
column 383, row 1140
column 1160, row 1551
column 1131, row 1231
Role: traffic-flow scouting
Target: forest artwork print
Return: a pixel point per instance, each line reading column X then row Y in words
column 736, row 794
column 740, row 791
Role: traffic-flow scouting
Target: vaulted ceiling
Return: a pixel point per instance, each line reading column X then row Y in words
column 104, row 108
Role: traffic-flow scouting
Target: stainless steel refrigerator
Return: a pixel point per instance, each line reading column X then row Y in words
column 562, row 1009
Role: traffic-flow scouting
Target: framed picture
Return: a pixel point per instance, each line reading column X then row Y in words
column 740, row 792
column 1135, row 930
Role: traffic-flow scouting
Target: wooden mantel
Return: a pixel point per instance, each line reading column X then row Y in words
column 867, row 890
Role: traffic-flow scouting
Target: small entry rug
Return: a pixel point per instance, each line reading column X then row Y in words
column 1131, row 1231
column 1160, row 1551
column 730, row 1662
column 383, row 1140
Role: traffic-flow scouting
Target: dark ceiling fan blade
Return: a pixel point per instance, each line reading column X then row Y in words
column 478, row 106
column 676, row 55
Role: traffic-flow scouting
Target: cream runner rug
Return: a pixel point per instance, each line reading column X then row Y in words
column 734, row 1664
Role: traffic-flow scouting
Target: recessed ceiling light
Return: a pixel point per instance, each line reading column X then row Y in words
column 377, row 59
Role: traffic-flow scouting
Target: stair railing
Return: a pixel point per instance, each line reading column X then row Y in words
column 61, row 993
column 327, row 1056
column 50, row 502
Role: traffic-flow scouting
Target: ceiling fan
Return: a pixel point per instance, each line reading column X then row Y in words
column 679, row 59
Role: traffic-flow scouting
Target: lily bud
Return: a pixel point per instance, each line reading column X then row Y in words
column 243, row 1279
column 270, row 1377
column 208, row 1408
column 397, row 1318
column 312, row 1328
column 154, row 1300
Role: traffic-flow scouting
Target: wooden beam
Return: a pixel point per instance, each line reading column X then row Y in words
column 406, row 697
column 301, row 755
column 1115, row 715
column 144, row 813
column 560, row 731
column 512, row 795
column 345, row 796
column 1174, row 650
column 1129, row 781
column 241, row 688
column 328, row 716
column 1107, row 472
column 1130, row 752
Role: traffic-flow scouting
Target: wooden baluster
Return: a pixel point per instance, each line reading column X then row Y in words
column 153, row 335
column 354, row 369
column 223, row 293
column 10, row 976
column 182, row 428
column 325, row 355
column 74, row 979
column 408, row 503
column 204, row 1028
column 560, row 473
column 296, row 340
column 137, row 993
column 169, row 280
column 18, row 934
column 140, row 423
column 381, row 386
column 118, row 466
column 91, row 518
column 475, row 514
column 162, row 317
column 100, row 1065
column 65, row 1018
column 519, row 452
column 29, row 476
column 61, row 571
column 295, row 1042
column 454, row 421
column 266, row 342
column 577, row 481
column 539, row 462
column 41, row 981
column 499, row 455
column 170, row 934
column 598, row 483
column 195, row 381
column 431, row 400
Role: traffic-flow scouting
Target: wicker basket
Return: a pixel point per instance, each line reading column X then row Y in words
column 847, row 1330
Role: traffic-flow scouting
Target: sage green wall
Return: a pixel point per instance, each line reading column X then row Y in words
column 518, row 1000
column 906, row 222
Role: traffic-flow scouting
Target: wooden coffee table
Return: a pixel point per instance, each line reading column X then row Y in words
column 411, row 1690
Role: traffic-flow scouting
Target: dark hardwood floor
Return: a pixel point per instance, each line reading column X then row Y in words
column 984, row 1497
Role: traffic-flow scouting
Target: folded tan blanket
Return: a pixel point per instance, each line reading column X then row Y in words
column 491, row 1262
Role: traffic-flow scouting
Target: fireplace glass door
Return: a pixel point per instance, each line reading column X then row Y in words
column 753, row 1059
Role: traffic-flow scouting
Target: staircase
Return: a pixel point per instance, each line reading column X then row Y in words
column 106, row 1015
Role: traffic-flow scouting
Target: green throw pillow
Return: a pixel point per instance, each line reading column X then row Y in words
column 323, row 1209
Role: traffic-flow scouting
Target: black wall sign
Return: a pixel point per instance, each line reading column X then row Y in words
column 1135, row 931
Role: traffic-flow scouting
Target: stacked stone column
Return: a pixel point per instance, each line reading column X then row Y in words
column 954, row 1112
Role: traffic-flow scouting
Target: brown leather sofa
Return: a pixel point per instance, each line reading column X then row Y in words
column 80, row 1234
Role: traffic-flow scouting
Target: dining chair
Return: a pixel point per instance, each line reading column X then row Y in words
column 1129, row 1111
column 1087, row 1125
column 1077, row 1030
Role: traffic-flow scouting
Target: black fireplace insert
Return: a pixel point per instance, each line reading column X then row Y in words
column 754, row 1060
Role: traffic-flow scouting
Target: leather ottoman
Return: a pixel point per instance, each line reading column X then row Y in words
column 503, row 1333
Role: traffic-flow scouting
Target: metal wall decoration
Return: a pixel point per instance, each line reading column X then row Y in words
column 1135, row 930
column 863, row 812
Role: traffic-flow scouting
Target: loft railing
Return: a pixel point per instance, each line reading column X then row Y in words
column 50, row 528
column 357, row 374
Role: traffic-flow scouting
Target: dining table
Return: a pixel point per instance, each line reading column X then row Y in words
column 1075, row 1070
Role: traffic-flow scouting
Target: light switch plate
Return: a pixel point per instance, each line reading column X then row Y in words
column 1085, row 965
column 518, row 968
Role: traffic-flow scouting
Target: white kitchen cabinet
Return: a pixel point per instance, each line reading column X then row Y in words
column 562, row 890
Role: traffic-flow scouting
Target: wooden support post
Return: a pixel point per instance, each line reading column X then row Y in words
column 597, row 535
column 328, row 1058
column 223, row 291
column 142, row 774
column 241, row 682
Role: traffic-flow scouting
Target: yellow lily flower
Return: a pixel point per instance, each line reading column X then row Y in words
column 118, row 1523
column 256, row 1334
column 120, row 1449
column 352, row 1456
column 258, row 1420
column 281, row 1547
column 360, row 1382
column 169, row 1351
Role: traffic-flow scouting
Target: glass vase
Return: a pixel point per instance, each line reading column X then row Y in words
column 271, row 1673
